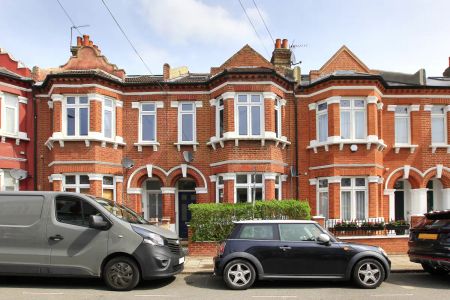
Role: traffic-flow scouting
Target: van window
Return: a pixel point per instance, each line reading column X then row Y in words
column 257, row 232
column 74, row 211
column 20, row 210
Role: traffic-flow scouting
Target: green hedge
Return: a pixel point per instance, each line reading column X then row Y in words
column 214, row 222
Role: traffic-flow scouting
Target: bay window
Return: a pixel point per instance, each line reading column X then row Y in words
column 186, row 122
column 322, row 198
column 76, row 183
column 219, row 189
column 322, row 122
column 249, row 114
column 402, row 125
column 248, row 187
column 353, row 198
column 353, row 119
column 219, row 118
column 108, row 118
column 438, row 124
column 77, row 116
column 108, row 187
column 147, row 123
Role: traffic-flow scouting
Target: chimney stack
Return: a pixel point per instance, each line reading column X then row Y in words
column 166, row 72
column 281, row 55
column 278, row 44
column 447, row 71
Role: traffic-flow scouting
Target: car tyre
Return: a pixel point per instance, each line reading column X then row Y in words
column 239, row 274
column 434, row 270
column 121, row 274
column 368, row 273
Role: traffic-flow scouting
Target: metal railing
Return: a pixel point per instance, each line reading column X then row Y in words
column 371, row 226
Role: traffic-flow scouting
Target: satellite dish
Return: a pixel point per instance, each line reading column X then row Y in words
column 127, row 163
column 18, row 174
column 188, row 157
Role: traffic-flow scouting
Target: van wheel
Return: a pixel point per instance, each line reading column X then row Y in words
column 239, row 274
column 433, row 270
column 368, row 273
column 121, row 274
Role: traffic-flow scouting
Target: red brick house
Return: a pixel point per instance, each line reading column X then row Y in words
column 356, row 143
column 16, row 124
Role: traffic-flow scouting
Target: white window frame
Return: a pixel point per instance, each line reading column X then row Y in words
column 2, row 181
column 112, row 109
column 141, row 114
column 109, row 187
column 319, row 191
column 353, row 189
column 77, row 107
column 320, row 113
column 220, row 108
column 278, row 186
column 249, row 186
column 77, row 186
column 278, row 114
column 182, row 112
column 406, row 116
column 219, row 187
column 4, row 106
column 353, row 109
column 442, row 116
column 249, row 105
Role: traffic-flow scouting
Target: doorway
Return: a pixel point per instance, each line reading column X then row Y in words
column 402, row 202
column 186, row 195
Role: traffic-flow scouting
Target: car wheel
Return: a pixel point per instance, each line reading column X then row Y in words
column 368, row 273
column 434, row 270
column 121, row 274
column 239, row 274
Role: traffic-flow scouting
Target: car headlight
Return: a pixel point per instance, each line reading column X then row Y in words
column 382, row 251
column 149, row 237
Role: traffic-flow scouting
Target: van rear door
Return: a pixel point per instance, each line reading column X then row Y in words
column 23, row 244
column 76, row 249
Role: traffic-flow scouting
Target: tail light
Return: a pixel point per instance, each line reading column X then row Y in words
column 221, row 248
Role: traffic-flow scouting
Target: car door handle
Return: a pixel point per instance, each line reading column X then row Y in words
column 284, row 248
column 56, row 238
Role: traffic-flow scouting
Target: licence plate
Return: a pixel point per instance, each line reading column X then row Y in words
column 428, row 236
column 181, row 260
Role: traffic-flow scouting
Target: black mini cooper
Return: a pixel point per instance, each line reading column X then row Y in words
column 290, row 249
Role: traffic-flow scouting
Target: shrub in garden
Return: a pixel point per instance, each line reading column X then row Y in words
column 214, row 222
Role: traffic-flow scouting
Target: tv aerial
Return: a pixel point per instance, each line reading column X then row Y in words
column 188, row 156
column 75, row 27
column 18, row 174
column 292, row 47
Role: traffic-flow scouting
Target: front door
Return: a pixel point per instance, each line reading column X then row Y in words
column 399, row 205
column 76, row 249
column 184, row 215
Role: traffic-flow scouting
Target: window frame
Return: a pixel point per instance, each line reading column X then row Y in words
column 279, row 187
column 279, row 225
column 275, row 230
column 249, row 186
column 353, row 189
column 442, row 116
column 278, row 115
column 112, row 109
column 82, row 203
column 77, row 185
column 2, row 181
column 141, row 124
column 249, row 104
column 108, row 186
column 219, row 188
column 320, row 190
column 320, row 113
column 353, row 109
column 3, row 101
column 77, row 106
column 182, row 112
column 406, row 116
column 220, row 108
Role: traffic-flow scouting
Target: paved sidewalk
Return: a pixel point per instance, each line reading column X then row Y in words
column 204, row 264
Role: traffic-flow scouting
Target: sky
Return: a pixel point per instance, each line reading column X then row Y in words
column 393, row 35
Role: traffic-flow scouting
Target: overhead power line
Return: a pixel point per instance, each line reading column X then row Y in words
column 254, row 28
column 130, row 42
column 264, row 22
column 68, row 17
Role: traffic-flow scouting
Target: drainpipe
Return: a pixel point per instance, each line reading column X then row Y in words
column 296, row 145
column 34, row 139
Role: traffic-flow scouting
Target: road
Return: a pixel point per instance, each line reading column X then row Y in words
column 204, row 287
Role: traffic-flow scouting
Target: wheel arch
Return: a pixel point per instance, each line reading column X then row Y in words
column 245, row 256
column 365, row 255
column 119, row 254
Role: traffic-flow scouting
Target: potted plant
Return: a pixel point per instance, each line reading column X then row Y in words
column 372, row 226
column 345, row 226
column 398, row 226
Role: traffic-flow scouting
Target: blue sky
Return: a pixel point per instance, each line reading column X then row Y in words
column 395, row 35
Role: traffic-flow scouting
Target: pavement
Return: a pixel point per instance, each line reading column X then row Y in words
column 204, row 265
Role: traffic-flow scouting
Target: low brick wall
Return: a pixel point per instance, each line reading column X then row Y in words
column 203, row 248
column 391, row 244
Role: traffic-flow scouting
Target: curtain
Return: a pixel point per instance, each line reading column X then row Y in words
column 360, row 205
column 437, row 130
column 346, row 207
column 345, row 124
column 323, row 127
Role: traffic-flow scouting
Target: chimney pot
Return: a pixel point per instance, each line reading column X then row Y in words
column 85, row 40
column 449, row 61
column 79, row 41
column 278, row 44
column 91, row 43
column 285, row 44
column 166, row 71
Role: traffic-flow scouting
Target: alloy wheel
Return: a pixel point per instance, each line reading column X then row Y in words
column 239, row 274
column 369, row 273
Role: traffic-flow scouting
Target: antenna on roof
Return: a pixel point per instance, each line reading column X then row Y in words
column 71, row 31
column 292, row 47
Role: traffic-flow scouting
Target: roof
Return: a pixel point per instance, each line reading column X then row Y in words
column 275, row 222
column 189, row 78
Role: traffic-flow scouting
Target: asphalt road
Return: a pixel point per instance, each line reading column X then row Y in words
column 203, row 287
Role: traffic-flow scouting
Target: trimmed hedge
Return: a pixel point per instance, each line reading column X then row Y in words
column 214, row 222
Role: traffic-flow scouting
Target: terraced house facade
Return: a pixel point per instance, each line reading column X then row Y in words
column 356, row 143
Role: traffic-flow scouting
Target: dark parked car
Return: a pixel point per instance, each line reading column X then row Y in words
column 429, row 243
column 290, row 249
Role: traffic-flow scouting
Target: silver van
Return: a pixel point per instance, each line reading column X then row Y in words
column 75, row 235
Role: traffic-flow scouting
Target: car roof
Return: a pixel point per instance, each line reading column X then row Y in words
column 275, row 222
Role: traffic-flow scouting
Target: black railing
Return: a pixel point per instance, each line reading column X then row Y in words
column 373, row 226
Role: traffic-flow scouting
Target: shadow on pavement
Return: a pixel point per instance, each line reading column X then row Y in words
column 216, row 283
column 73, row 283
column 421, row 280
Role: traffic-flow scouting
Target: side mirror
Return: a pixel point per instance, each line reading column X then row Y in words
column 323, row 238
column 97, row 222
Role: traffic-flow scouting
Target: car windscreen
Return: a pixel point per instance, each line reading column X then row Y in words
column 120, row 211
